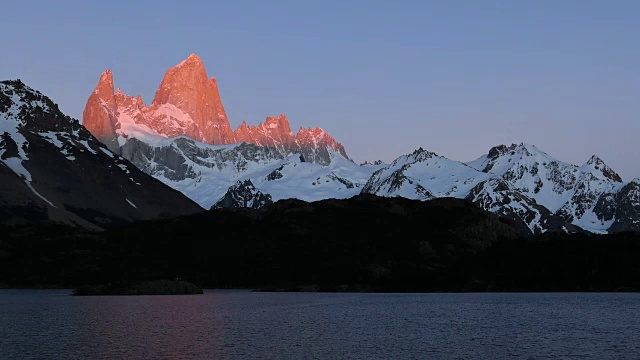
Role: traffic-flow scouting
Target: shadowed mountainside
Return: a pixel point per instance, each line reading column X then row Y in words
column 53, row 170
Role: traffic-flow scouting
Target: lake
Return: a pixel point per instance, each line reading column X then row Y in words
column 235, row 324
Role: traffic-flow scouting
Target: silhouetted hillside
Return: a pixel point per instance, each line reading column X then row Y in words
column 366, row 243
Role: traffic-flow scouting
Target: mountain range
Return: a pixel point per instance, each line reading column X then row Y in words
column 128, row 161
column 184, row 139
column 188, row 104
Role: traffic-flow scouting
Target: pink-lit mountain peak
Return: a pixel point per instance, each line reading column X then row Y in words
column 105, row 84
column 280, row 122
column 187, row 103
column 186, row 82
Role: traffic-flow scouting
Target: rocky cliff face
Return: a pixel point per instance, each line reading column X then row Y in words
column 101, row 112
column 188, row 103
column 187, row 88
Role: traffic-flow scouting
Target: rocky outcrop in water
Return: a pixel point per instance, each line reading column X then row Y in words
column 152, row 287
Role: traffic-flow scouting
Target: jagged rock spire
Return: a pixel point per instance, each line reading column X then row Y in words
column 100, row 112
column 188, row 103
column 187, row 87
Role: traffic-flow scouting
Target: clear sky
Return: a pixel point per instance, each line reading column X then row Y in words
column 382, row 77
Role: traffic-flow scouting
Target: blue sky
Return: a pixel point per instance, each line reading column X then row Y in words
column 382, row 77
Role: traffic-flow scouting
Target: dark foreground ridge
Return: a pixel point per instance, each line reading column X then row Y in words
column 365, row 243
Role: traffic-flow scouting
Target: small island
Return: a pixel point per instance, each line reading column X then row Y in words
column 149, row 287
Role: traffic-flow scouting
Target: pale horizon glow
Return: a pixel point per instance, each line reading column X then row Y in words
column 383, row 78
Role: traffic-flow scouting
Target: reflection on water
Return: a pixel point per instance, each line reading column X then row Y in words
column 50, row 324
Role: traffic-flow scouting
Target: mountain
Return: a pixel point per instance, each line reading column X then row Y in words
column 188, row 103
column 568, row 190
column 425, row 175
column 520, row 182
column 184, row 140
column 54, row 170
column 206, row 172
column 243, row 195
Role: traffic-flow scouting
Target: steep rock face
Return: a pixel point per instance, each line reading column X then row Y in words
column 621, row 209
column 54, row 170
column 188, row 103
column 275, row 132
column 101, row 112
column 315, row 145
column 599, row 167
column 187, row 88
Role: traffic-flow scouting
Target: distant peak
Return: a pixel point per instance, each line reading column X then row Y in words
column 421, row 153
column 191, row 59
column 530, row 149
column 15, row 83
column 528, row 146
column 277, row 124
column 277, row 117
column 497, row 151
column 105, row 84
column 594, row 159
column 107, row 76
column 502, row 149
column 596, row 163
column 377, row 162
column 316, row 130
column 280, row 121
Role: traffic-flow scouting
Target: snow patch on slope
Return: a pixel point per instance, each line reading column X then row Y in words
column 10, row 124
column 216, row 168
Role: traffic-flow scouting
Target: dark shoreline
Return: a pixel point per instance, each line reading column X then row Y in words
column 353, row 291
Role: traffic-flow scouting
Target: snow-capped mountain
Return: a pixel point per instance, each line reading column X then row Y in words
column 243, row 195
column 425, row 175
column 521, row 182
column 53, row 169
column 567, row 190
column 184, row 140
column 188, row 103
column 205, row 172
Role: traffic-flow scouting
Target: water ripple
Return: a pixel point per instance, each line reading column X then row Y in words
column 50, row 324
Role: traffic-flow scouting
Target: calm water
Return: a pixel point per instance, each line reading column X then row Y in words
column 50, row 324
